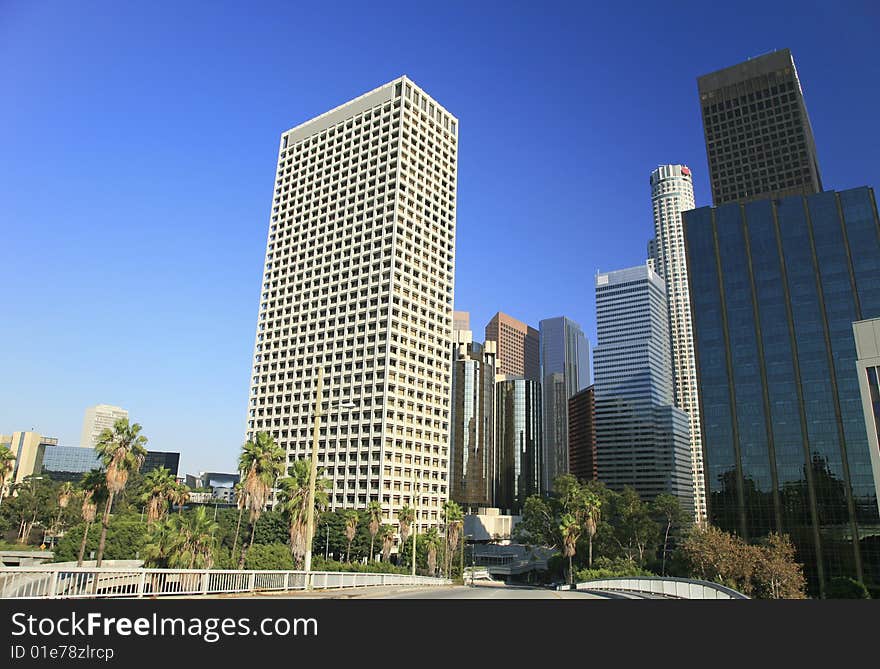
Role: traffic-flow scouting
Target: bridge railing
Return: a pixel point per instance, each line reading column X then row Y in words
column 85, row 582
column 678, row 588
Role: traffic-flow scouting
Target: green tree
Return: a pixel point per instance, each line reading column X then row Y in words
column 846, row 588
column 571, row 532
column 269, row 556
column 351, row 524
column 94, row 491
column 433, row 541
column 668, row 509
column 387, row 534
column 635, row 531
column 196, row 540
column 293, row 495
column 454, row 520
column 405, row 518
column 178, row 495
column 157, row 487
column 122, row 450
column 7, row 465
column 538, row 524
column 261, row 463
column 777, row 573
column 374, row 514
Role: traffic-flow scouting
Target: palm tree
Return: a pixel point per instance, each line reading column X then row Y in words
column 454, row 519
column 179, row 495
column 374, row 513
column 591, row 509
column 241, row 502
column 93, row 488
column 387, row 532
column 157, row 488
column 293, row 495
column 164, row 539
column 405, row 517
column 262, row 461
column 7, row 464
column 196, row 532
column 122, row 450
column 571, row 532
column 351, row 525
column 432, row 542
column 65, row 494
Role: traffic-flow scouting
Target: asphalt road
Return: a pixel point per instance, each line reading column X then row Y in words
column 484, row 591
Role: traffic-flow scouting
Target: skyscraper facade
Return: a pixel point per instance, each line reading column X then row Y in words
column 358, row 281
column 472, row 437
column 518, row 346
column 672, row 192
column 518, row 444
column 867, row 337
column 776, row 285
column 642, row 438
column 565, row 370
column 97, row 419
column 582, row 435
column 759, row 140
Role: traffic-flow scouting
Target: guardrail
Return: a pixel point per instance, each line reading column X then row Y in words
column 678, row 588
column 84, row 582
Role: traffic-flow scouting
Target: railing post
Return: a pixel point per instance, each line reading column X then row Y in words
column 252, row 579
column 206, row 576
column 142, row 584
column 53, row 585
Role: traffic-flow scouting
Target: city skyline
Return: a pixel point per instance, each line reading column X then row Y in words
column 147, row 364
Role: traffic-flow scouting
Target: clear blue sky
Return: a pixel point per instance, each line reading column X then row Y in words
column 138, row 146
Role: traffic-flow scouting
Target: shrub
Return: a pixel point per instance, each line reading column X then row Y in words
column 847, row 588
column 269, row 556
column 608, row 568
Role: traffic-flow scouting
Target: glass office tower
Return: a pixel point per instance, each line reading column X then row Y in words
column 775, row 288
column 565, row 370
column 517, row 441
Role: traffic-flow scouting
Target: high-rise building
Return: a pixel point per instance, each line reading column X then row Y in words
column 672, row 192
column 518, row 439
column 97, row 419
column 461, row 320
column 472, row 419
column 518, row 346
column 776, row 285
column 582, row 435
column 642, row 438
column 358, row 281
column 867, row 336
column 565, row 370
column 759, row 140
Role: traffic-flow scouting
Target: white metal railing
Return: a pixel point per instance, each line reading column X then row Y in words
column 87, row 582
column 678, row 588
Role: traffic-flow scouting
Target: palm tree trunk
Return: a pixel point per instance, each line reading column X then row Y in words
column 570, row 572
column 250, row 543
column 348, row 552
column 105, row 523
column 82, row 546
column 372, row 538
column 235, row 538
column 590, row 554
column 665, row 544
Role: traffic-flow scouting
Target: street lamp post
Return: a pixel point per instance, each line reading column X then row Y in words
column 313, row 475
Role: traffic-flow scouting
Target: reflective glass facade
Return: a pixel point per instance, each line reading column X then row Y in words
column 775, row 288
column 565, row 370
column 518, row 442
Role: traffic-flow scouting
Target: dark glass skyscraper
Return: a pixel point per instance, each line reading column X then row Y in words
column 517, row 441
column 775, row 288
column 759, row 140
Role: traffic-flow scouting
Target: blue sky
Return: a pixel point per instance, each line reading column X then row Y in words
column 138, row 145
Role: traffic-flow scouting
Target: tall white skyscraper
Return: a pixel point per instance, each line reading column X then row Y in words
column 98, row 418
column 672, row 192
column 358, row 279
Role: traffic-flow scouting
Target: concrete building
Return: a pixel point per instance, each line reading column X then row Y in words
column 642, row 439
column 582, row 435
column 472, row 418
column 867, row 336
column 97, row 419
column 27, row 447
column 518, row 346
column 776, row 285
column 489, row 524
column 518, row 442
column 672, row 192
column 358, row 280
column 759, row 140
column 565, row 370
